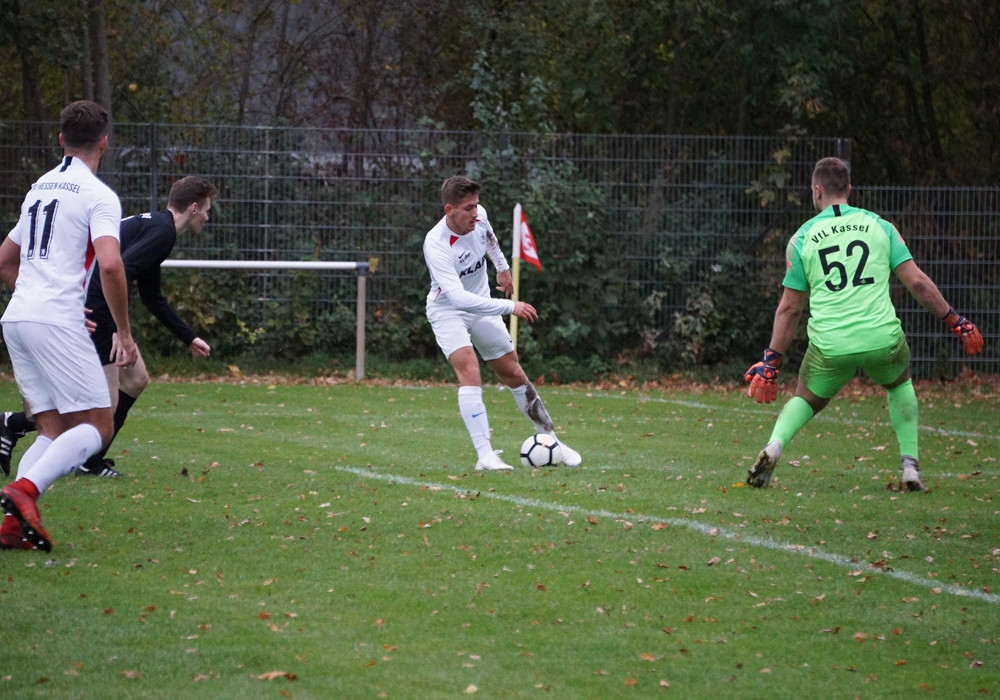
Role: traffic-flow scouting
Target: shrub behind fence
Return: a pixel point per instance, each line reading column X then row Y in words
column 668, row 247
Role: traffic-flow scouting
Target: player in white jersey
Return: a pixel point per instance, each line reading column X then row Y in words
column 69, row 218
column 464, row 316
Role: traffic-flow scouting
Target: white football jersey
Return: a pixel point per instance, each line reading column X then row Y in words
column 63, row 212
column 460, row 270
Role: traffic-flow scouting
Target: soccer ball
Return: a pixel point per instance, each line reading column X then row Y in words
column 540, row 450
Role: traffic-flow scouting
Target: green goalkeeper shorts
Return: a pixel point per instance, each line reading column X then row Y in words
column 825, row 375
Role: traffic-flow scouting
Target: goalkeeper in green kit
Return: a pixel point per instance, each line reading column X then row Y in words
column 839, row 264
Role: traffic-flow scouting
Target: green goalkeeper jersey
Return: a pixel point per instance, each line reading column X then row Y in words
column 843, row 258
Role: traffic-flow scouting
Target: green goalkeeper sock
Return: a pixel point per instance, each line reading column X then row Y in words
column 796, row 413
column 903, row 414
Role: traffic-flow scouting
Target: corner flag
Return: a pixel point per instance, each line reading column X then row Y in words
column 524, row 247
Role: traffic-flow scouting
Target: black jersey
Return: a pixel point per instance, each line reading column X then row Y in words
column 146, row 241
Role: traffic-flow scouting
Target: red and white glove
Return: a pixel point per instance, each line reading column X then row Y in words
column 763, row 377
column 965, row 329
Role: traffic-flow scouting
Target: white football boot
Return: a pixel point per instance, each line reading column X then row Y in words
column 491, row 462
column 570, row 457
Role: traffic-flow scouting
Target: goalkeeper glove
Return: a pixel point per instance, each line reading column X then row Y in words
column 763, row 377
column 965, row 329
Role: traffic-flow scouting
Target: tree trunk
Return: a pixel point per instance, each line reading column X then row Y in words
column 31, row 89
column 100, row 66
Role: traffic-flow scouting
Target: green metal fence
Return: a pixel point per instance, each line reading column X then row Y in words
column 683, row 219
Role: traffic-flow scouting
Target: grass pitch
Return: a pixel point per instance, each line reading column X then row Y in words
column 291, row 540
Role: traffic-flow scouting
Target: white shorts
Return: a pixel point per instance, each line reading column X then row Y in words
column 457, row 329
column 56, row 368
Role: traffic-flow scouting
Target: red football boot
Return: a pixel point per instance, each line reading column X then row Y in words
column 19, row 500
column 10, row 534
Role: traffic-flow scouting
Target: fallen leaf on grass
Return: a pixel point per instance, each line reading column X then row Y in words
column 210, row 676
column 271, row 675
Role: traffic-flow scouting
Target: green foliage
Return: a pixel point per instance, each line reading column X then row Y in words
column 911, row 83
column 581, row 295
column 699, row 237
column 563, row 369
column 402, row 333
column 720, row 321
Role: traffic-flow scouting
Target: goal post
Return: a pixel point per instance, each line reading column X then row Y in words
column 360, row 267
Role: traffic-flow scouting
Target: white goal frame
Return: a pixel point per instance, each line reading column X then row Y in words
column 360, row 267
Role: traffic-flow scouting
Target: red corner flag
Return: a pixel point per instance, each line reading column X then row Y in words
column 528, row 251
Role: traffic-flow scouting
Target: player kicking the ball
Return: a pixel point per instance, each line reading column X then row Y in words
column 464, row 316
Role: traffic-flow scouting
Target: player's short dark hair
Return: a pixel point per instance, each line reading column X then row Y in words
column 457, row 188
column 188, row 190
column 83, row 124
column 833, row 175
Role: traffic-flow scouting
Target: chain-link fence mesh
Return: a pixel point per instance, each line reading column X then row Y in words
column 684, row 235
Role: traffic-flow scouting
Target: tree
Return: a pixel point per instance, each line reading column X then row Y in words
column 911, row 83
column 23, row 26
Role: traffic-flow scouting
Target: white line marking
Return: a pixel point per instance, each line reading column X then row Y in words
column 702, row 528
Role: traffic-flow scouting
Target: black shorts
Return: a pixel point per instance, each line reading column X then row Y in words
column 103, row 342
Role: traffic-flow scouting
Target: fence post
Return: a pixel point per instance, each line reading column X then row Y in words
column 154, row 161
column 359, row 362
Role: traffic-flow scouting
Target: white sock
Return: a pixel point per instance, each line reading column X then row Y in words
column 31, row 455
column 473, row 410
column 65, row 452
